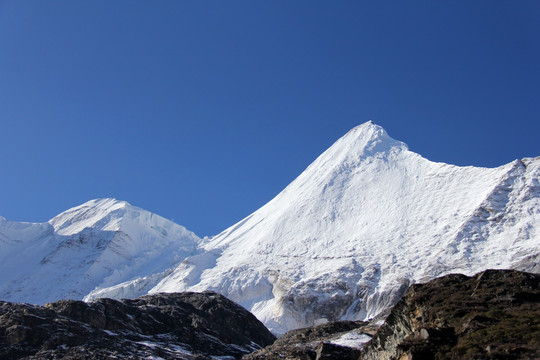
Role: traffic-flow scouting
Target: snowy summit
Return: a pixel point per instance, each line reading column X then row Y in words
column 342, row 241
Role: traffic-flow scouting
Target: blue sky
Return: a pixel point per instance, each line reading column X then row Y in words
column 202, row 111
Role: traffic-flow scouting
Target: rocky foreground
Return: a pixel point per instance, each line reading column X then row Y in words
column 492, row 315
column 169, row 326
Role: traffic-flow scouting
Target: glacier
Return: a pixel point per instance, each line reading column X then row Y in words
column 343, row 241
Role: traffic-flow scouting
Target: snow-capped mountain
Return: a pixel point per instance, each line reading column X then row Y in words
column 98, row 244
column 366, row 219
column 343, row 241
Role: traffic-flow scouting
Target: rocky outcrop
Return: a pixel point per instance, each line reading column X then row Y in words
column 333, row 340
column 178, row 325
column 492, row 315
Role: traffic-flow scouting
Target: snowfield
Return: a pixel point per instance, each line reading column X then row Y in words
column 342, row 241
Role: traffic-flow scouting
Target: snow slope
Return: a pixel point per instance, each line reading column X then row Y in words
column 366, row 219
column 343, row 241
column 100, row 243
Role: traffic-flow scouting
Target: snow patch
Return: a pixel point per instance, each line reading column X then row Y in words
column 352, row 339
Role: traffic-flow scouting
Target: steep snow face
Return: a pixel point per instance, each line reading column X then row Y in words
column 98, row 244
column 366, row 219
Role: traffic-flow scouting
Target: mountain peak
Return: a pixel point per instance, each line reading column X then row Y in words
column 104, row 213
column 361, row 142
column 366, row 125
column 106, row 203
column 370, row 136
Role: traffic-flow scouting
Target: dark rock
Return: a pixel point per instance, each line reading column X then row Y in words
column 492, row 315
column 179, row 326
column 329, row 351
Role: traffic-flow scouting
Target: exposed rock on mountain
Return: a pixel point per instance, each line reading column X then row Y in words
column 492, row 315
column 168, row 326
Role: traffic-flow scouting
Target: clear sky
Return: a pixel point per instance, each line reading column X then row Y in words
column 202, row 111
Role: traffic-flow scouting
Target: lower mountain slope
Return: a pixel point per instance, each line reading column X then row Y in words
column 162, row 326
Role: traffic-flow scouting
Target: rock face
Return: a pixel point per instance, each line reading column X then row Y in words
column 492, row 315
column 178, row 325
